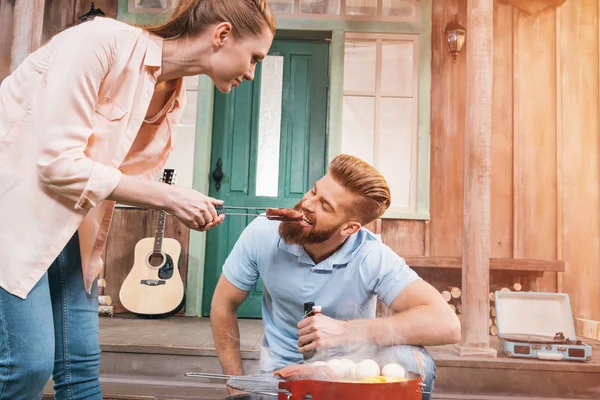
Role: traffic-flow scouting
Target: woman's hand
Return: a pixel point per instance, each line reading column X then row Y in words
column 194, row 209
column 191, row 207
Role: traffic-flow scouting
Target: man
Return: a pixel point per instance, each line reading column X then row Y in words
column 329, row 259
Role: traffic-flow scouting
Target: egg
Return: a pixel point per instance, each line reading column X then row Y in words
column 393, row 370
column 337, row 367
column 317, row 363
column 367, row 368
column 349, row 368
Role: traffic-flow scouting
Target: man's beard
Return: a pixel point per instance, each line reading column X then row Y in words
column 295, row 233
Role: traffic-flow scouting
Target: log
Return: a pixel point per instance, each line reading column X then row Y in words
column 494, row 330
column 455, row 292
column 452, row 307
column 446, row 295
column 492, row 296
column 106, row 311
column 459, row 307
column 104, row 301
column 505, row 289
column 517, row 287
column 493, row 311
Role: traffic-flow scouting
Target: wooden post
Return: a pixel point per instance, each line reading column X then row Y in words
column 28, row 21
column 477, row 179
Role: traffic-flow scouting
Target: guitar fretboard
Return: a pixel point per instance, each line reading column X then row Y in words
column 160, row 232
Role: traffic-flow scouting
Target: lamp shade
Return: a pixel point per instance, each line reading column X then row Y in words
column 455, row 37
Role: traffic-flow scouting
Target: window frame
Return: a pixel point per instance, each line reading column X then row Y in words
column 132, row 9
column 377, row 94
column 378, row 16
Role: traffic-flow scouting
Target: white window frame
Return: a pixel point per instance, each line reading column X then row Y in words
column 379, row 38
column 144, row 10
column 342, row 15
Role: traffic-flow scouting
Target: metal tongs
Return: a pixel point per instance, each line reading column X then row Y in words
column 259, row 384
column 222, row 209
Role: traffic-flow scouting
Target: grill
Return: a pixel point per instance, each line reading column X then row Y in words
column 262, row 387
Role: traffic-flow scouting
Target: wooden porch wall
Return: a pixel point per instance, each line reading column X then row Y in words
column 58, row 15
column 61, row 14
column 545, row 149
column 6, row 35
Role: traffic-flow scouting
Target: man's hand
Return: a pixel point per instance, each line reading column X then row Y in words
column 321, row 331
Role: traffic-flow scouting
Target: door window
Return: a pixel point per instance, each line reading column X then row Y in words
column 269, row 126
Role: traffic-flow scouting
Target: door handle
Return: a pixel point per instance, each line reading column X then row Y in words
column 218, row 174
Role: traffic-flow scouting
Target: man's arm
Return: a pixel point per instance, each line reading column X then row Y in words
column 224, row 324
column 422, row 318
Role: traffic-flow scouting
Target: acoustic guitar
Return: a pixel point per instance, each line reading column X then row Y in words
column 153, row 288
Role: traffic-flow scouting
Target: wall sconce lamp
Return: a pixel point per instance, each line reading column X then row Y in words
column 455, row 37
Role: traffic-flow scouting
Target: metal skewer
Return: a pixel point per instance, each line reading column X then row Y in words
column 236, row 382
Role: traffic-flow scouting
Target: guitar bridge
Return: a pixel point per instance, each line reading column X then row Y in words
column 152, row 282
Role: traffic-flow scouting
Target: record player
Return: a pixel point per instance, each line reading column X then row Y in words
column 538, row 325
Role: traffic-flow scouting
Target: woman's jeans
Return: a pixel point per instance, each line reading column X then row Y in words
column 54, row 331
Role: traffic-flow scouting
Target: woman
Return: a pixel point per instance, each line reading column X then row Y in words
column 85, row 122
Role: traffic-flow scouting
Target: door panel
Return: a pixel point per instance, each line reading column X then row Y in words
column 271, row 131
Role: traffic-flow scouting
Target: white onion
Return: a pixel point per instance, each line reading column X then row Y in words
column 337, row 367
column 349, row 368
column 367, row 368
column 394, row 370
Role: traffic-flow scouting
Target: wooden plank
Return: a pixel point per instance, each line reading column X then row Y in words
column 28, row 18
column 587, row 328
column 502, row 134
column 580, row 155
column 448, row 100
column 495, row 263
column 406, row 237
column 477, row 180
column 6, row 37
column 535, row 140
column 559, row 132
column 427, row 238
column 534, row 6
column 58, row 15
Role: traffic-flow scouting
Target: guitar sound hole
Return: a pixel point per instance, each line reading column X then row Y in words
column 156, row 259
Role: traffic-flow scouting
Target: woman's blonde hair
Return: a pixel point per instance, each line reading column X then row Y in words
column 247, row 17
column 360, row 178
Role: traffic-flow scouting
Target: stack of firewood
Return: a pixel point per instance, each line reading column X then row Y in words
column 453, row 296
column 105, row 306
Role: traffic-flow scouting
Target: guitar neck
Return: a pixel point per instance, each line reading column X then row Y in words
column 160, row 231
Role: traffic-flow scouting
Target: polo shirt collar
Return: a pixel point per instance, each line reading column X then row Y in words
column 342, row 256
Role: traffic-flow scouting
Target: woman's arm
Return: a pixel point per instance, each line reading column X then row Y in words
column 191, row 207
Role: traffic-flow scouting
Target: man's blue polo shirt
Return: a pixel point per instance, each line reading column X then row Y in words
column 346, row 285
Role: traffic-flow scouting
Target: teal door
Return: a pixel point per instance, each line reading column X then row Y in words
column 269, row 139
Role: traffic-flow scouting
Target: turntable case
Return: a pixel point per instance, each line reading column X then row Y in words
column 537, row 314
